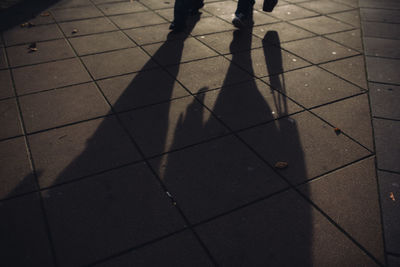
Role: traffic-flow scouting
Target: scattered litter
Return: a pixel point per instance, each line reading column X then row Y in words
column 45, row 14
column 334, row 53
column 338, row 131
column 392, row 196
column 27, row 24
column 281, row 165
column 294, row 60
column 32, row 47
column 306, row 84
column 74, row 31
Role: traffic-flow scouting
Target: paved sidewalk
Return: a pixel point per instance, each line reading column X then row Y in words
column 126, row 145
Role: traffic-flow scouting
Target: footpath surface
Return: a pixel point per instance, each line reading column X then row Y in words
column 122, row 144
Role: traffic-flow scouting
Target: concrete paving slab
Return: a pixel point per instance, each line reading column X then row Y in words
column 211, row 25
column 127, row 207
column 328, row 50
column 224, row 170
column 269, row 60
column 6, row 88
column 49, row 75
column 206, row 74
column 353, row 3
column 168, row 14
column 19, row 35
column 164, row 127
column 101, row 42
column 46, row 51
column 351, row 69
column 42, row 18
column 387, row 4
column 354, row 122
column 75, row 13
column 62, row 106
column 81, row 154
column 71, row 3
column 24, row 243
column 389, row 186
column 179, row 249
column 134, row 20
column 118, row 62
column 350, row 197
column 383, row 70
column 97, row 2
column 254, row 102
column 308, row 145
column 325, row 7
column 387, row 142
column 313, row 86
column 380, row 47
column 155, row 4
column 279, row 231
column 153, row 34
column 380, row 30
column 351, row 17
column 322, row 25
column 141, row 89
column 291, row 12
column 16, row 176
column 3, row 62
column 9, row 118
column 385, row 100
column 286, row 32
column 190, row 49
column 88, row 26
column 380, row 15
column 122, row 8
column 350, row 39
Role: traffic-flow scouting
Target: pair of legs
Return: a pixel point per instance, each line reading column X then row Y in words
column 182, row 9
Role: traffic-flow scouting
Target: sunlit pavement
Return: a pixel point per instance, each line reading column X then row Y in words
column 122, row 144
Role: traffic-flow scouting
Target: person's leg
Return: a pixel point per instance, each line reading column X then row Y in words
column 243, row 13
column 180, row 13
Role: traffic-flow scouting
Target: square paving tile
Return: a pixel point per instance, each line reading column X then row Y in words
column 141, row 89
column 352, row 116
column 350, row 39
column 178, row 51
column 24, row 240
column 389, row 183
column 16, row 175
column 156, row 4
column 117, row 62
column 291, row 12
column 49, row 75
column 209, row 73
column 101, row 42
column 153, row 34
column 352, row 3
column 71, row 3
column 103, row 215
column 381, row 30
column 318, row 49
column 248, row 104
column 383, row 70
column 352, row 17
column 3, row 62
column 137, row 20
column 74, row 13
column 352, row 190
column 178, row 250
column 62, row 106
column 308, row 145
column 42, row 18
column 168, row 14
column 266, row 61
column 224, row 170
column 173, row 125
column 313, row 87
column 47, row 51
column 322, row 25
column 387, row 143
column 388, row 4
column 279, row 231
column 6, row 89
column 9, row 119
column 285, row 31
column 231, row 41
column 380, row 47
column 211, row 25
column 18, row 35
column 325, row 7
column 122, row 7
column 86, row 148
column 380, row 15
column 88, row 26
column 385, row 100
column 351, row 69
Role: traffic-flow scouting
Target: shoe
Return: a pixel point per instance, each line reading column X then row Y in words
column 239, row 20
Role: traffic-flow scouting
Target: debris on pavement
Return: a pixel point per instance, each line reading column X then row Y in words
column 45, row 14
column 32, row 47
column 337, row 131
column 392, row 196
column 281, row 165
column 27, row 24
column 74, row 31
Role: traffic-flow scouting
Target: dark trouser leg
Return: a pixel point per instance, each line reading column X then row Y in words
column 245, row 7
column 180, row 11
